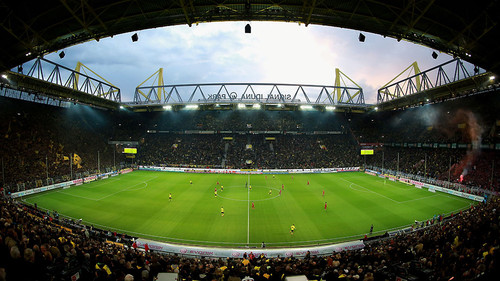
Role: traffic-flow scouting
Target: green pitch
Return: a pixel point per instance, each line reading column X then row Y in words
column 138, row 204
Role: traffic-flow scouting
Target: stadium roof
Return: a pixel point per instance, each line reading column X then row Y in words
column 461, row 28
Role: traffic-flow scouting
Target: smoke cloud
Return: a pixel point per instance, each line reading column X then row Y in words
column 474, row 133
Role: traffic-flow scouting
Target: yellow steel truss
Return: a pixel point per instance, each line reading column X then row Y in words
column 340, row 82
column 409, row 73
column 157, row 81
column 82, row 68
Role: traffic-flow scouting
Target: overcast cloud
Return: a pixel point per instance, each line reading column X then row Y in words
column 273, row 53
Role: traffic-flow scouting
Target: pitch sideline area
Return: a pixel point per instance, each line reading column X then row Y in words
column 325, row 208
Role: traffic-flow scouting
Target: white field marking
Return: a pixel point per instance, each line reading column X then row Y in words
column 77, row 196
column 367, row 191
column 59, row 191
column 244, row 200
column 94, row 199
column 127, row 189
column 248, row 212
column 109, row 195
column 223, row 242
column 416, row 199
column 398, row 202
column 370, row 190
column 305, row 242
column 406, row 187
column 101, row 182
column 38, row 195
column 381, row 180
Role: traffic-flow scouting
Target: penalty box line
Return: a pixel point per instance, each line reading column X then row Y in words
column 395, row 201
column 369, row 190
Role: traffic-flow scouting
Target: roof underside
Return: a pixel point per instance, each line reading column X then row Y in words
column 30, row 29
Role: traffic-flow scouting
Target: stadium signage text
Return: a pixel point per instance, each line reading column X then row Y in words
column 237, row 253
column 430, row 187
column 248, row 171
column 249, row 96
column 66, row 184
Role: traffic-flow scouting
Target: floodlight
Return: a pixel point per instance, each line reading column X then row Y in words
column 135, row 37
column 306, row 107
column 191, row 106
column 256, row 106
column 167, row 107
column 241, row 106
column 121, row 107
column 330, row 108
column 4, row 76
column 492, row 77
column 376, row 108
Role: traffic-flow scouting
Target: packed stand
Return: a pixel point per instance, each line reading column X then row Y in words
column 38, row 140
column 34, row 246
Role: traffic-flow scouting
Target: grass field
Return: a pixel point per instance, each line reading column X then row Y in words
column 138, row 204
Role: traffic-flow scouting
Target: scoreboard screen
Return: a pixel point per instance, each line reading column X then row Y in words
column 131, row 150
column 366, row 151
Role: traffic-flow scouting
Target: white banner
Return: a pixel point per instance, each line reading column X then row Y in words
column 59, row 185
column 432, row 188
column 40, row 189
column 249, row 171
column 238, row 253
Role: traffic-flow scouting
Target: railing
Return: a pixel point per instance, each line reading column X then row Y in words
column 54, row 73
column 263, row 93
column 443, row 74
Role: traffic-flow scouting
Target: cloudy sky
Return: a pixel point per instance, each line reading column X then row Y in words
column 273, row 53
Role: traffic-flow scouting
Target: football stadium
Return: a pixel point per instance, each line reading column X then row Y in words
column 248, row 180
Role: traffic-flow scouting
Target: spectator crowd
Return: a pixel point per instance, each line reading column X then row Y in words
column 39, row 141
column 35, row 245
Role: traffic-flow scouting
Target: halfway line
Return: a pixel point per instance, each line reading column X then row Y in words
column 248, row 208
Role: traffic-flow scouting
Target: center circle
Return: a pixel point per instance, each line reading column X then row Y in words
column 244, row 193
